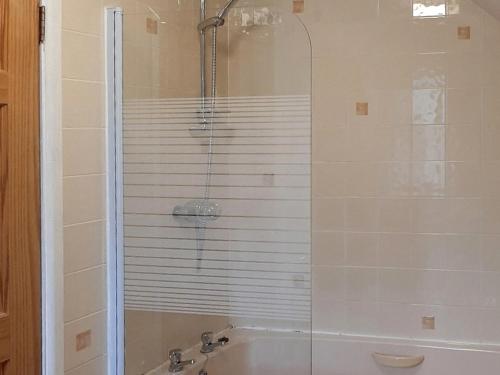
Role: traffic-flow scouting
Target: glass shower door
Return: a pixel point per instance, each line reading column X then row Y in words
column 216, row 192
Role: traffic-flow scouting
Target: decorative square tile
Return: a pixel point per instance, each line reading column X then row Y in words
column 298, row 6
column 151, row 26
column 428, row 322
column 83, row 340
column 463, row 32
column 362, row 109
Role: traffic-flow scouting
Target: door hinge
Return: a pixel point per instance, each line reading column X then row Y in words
column 42, row 21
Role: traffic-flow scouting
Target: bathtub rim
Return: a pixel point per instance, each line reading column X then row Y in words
column 241, row 335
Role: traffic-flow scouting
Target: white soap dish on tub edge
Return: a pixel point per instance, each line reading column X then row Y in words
column 398, row 361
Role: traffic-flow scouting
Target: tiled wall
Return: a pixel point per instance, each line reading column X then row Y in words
column 84, row 184
column 406, row 166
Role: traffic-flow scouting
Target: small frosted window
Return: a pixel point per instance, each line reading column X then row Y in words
column 426, row 8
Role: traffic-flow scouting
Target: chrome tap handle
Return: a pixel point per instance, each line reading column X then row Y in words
column 207, row 338
column 175, row 355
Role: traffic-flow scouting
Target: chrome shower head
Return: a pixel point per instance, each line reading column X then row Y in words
column 218, row 20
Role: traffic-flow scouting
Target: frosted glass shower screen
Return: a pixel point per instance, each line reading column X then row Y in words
column 251, row 258
column 220, row 240
column 255, row 251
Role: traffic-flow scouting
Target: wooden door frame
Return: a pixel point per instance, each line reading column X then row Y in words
column 52, row 192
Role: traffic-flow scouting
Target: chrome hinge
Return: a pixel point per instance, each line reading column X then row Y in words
column 42, row 20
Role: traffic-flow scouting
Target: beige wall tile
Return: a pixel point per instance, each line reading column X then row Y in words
column 83, row 199
column 361, row 249
column 84, row 246
column 463, row 143
column 489, row 327
column 361, row 284
column 396, row 250
column 328, row 248
column 398, row 285
column 465, row 215
column 490, row 149
column 328, row 214
column 463, row 252
column 329, row 180
column 330, row 145
column 430, row 251
column 490, row 216
column 328, row 316
column 464, row 107
column 362, row 214
column 395, row 215
column 463, row 179
column 362, row 178
column 84, row 293
column 357, row 321
column 329, row 284
column 84, row 151
column 395, row 107
column 82, row 56
column 430, row 216
column 83, row 104
column 490, row 178
column 490, row 253
column 95, row 366
column 83, row 16
column 430, row 35
column 394, row 179
column 460, row 74
column 394, row 320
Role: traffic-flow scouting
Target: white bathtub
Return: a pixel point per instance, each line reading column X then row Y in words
column 343, row 355
column 255, row 352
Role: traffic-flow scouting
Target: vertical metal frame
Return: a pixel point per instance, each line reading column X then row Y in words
column 51, row 162
column 115, row 334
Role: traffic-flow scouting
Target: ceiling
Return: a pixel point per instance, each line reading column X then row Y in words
column 491, row 6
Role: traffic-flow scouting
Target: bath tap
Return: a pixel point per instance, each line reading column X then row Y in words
column 176, row 362
column 207, row 344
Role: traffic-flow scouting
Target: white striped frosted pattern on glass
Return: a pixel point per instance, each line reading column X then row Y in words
column 256, row 256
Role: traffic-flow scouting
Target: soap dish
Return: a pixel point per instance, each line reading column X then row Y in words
column 398, row 361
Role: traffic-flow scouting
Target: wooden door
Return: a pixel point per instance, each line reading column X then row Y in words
column 20, row 312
